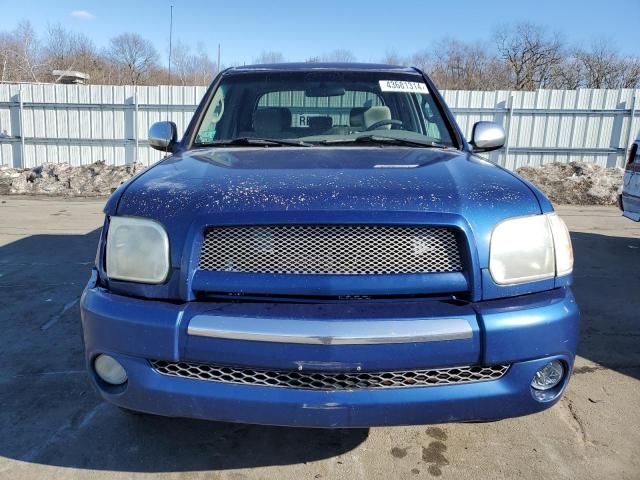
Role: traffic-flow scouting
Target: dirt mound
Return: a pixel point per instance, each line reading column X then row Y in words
column 97, row 179
column 576, row 183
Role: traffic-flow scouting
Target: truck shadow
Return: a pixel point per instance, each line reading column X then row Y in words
column 607, row 286
column 51, row 415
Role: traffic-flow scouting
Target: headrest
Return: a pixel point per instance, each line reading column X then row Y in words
column 376, row 114
column 271, row 119
column 356, row 117
column 320, row 123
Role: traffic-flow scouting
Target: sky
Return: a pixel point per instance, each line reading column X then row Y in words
column 301, row 29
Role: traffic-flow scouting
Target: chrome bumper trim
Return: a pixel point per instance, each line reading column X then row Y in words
column 330, row 332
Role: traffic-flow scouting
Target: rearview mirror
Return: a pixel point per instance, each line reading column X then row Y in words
column 487, row 136
column 324, row 90
column 163, row 136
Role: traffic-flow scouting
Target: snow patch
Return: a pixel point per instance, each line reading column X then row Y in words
column 576, row 183
column 97, row 179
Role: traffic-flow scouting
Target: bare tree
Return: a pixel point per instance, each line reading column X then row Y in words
column 525, row 57
column 567, row 74
column 531, row 53
column 422, row 59
column 269, row 57
column 339, row 55
column 392, row 57
column 601, row 66
column 8, row 58
column 66, row 50
column 458, row 65
column 205, row 68
column 192, row 68
column 60, row 47
column 630, row 77
column 135, row 55
column 22, row 54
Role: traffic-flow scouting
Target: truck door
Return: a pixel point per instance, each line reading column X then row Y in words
column 630, row 199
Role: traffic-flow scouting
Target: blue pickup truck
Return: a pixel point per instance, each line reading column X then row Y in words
column 324, row 248
column 629, row 199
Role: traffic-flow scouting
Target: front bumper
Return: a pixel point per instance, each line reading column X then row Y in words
column 630, row 205
column 525, row 332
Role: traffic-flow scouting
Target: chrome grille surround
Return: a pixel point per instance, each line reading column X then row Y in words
column 331, row 249
column 329, row 380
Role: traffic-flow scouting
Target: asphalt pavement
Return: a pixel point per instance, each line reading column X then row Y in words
column 53, row 425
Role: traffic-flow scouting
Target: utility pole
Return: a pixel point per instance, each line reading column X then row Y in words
column 169, row 69
column 218, row 66
column 170, row 38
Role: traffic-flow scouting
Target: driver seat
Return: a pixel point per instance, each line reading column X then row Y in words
column 374, row 115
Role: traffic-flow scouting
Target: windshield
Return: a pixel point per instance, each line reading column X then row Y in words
column 322, row 108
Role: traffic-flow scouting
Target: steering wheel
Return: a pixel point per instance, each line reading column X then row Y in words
column 382, row 123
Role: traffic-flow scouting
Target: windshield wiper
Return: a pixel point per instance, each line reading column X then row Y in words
column 383, row 140
column 264, row 142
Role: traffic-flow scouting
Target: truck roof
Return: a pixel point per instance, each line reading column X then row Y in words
column 302, row 66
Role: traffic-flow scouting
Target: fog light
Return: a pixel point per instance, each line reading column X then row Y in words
column 110, row 370
column 548, row 376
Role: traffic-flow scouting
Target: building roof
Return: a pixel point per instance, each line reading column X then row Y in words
column 70, row 76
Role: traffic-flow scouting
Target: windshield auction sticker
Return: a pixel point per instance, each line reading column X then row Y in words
column 402, row 86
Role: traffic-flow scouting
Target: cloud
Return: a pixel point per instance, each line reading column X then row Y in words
column 83, row 15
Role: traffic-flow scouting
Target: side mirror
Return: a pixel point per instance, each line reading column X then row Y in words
column 163, row 136
column 487, row 136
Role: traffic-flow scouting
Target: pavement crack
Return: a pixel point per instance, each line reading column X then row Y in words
column 69, row 429
column 42, row 374
column 54, row 319
column 578, row 421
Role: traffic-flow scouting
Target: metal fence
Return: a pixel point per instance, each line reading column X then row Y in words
column 547, row 126
column 82, row 124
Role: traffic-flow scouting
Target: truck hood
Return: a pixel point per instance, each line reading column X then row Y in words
column 250, row 182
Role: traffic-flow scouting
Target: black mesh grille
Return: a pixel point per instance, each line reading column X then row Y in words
column 332, row 380
column 331, row 249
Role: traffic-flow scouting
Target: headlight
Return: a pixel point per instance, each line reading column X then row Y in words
column 531, row 248
column 562, row 245
column 137, row 250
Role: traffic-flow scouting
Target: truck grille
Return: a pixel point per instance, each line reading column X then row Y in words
column 332, row 380
column 331, row 249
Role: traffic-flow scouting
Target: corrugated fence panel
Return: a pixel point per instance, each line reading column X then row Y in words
column 81, row 124
column 554, row 125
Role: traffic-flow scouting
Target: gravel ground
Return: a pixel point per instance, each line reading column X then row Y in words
column 576, row 183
